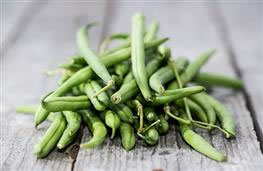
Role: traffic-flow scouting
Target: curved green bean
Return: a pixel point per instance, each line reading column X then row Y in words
column 163, row 126
column 73, row 124
column 127, row 136
column 112, row 120
column 198, row 143
column 97, row 128
column 124, row 112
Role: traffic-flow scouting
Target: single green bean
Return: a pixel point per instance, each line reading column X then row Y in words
column 166, row 74
column 124, row 112
column 198, row 143
column 112, row 120
column 211, row 79
column 49, row 140
column 151, row 31
column 66, row 103
column 171, row 95
column 127, row 136
column 192, row 69
column 127, row 78
column 122, row 69
column 97, row 128
column 149, row 114
column 224, row 115
column 30, row 109
column 163, row 126
column 151, row 136
column 138, row 56
column 70, row 133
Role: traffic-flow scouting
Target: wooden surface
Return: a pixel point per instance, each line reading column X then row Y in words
column 39, row 35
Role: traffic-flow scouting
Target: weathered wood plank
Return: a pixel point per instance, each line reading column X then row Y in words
column 191, row 31
column 244, row 23
column 48, row 40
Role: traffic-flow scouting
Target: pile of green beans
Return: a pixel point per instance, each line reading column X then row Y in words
column 134, row 91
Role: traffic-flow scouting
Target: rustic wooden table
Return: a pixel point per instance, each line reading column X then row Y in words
column 37, row 35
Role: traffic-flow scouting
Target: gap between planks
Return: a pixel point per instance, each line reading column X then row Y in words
column 223, row 32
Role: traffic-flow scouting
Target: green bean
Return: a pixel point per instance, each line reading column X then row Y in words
column 192, row 69
column 195, row 108
column 97, row 66
column 167, row 110
column 105, row 43
column 30, row 109
column 198, row 143
column 201, row 100
column 97, row 128
column 49, row 140
column 224, row 115
column 66, row 103
column 138, row 56
column 171, row 95
column 149, row 114
column 70, row 133
column 124, row 112
column 209, row 79
column 112, row 120
column 151, row 136
column 136, row 104
column 151, row 31
column 101, row 101
column 164, row 51
column 122, row 69
column 127, row 91
column 127, row 78
column 163, row 126
column 127, row 136
column 166, row 74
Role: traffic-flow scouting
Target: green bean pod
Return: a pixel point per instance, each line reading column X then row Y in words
column 127, row 78
column 86, row 73
column 201, row 100
column 101, row 101
column 163, row 126
column 49, row 140
column 66, row 103
column 97, row 128
column 30, row 109
column 112, row 120
column 70, row 133
column 151, row 31
column 209, row 79
column 195, row 108
column 171, row 95
column 122, row 69
column 192, row 69
column 124, row 112
column 97, row 66
column 224, row 115
column 149, row 114
column 198, row 143
column 151, row 136
column 105, row 43
column 138, row 56
column 127, row 136
column 129, row 90
column 166, row 74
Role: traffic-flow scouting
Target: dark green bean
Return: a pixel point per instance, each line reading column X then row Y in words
column 163, row 126
column 224, row 115
column 127, row 136
column 97, row 128
column 166, row 74
column 112, row 120
column 192, row 69
column 172, row 95
column 198, row 143
column 70, row 133
column 124, row 112
column 209, row 79
column 138, row 55
column 201, row 100
column 149, row 114
column 66, row 103
column 49, row 140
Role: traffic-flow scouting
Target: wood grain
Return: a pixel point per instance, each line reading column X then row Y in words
column 46, row 42
column 191, row 31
